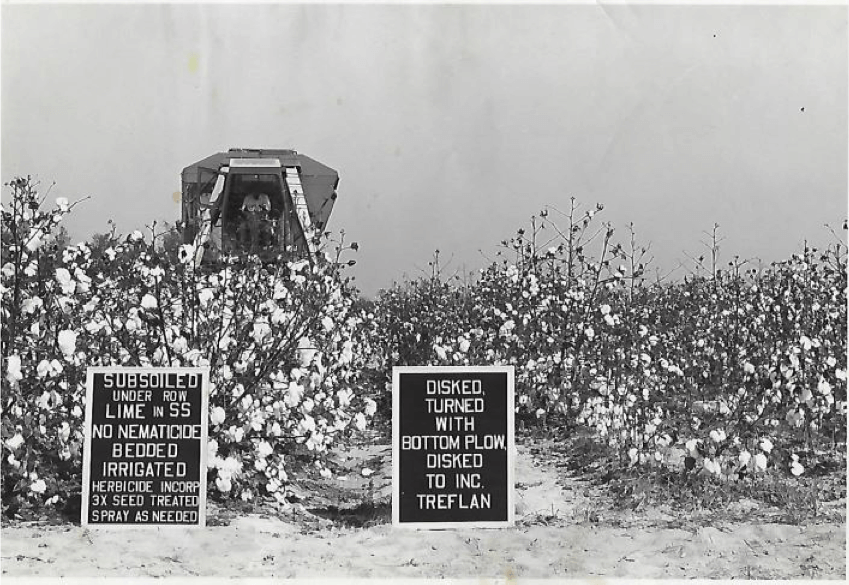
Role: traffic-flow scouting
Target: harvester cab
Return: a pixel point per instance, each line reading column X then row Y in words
column 270, row 203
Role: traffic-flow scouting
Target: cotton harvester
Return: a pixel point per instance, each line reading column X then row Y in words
column 271, row 203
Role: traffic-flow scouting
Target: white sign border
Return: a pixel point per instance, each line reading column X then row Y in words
column 511, row 446
column 204, row 424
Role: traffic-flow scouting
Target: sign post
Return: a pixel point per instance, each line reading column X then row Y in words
column 453, row 447
column 145, row 447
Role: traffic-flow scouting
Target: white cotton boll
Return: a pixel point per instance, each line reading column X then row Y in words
column 62, row 204
column 796, row 468
column 464, row 344
column 149, row 302
column 43, row 368
column 370, row 407
column 180, row 345
column 38, row 486
column 261, row 331
column 293, row 395
column 360, row 421
column 744, row 458
column 205, row 296
column 440, row 351
column 748, row 368
column 712, row 467
column 824, row 387
column 159, row 356
column 67, row 284
column 279, row 316
column 273, row 485
column 67, row 340
column 217, row 416
column 31, row 305
column 367, row 472
column 760, row 462
column 35, row 240
column 344, row 397
column 717, row 435
column 234, row 434
column 223, row 484
column 13, row 370
column 691, row 446
column 766, row 445
column 43, row 401
column 327, row 323
column 264, row 449
column 14, row 443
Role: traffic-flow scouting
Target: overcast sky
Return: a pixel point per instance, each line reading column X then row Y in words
column 449, row 125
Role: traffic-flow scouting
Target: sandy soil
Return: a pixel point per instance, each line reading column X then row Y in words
column 566, row 529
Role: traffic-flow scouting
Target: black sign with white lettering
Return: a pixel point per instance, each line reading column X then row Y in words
column 453, row 447
column 145, row 447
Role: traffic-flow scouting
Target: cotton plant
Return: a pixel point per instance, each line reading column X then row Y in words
column 261, row 331
column 649, row 367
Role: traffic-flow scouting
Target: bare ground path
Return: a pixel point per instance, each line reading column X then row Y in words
column 565, row 529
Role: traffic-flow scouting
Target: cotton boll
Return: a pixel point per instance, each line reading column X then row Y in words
column 14, row 443
column 217, row 416
column 13, row 370
column 149, row 302
column 67, row 340
column 223, row 484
